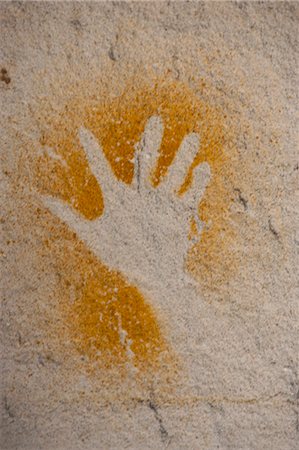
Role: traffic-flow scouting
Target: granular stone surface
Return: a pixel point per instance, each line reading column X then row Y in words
column 149, row 206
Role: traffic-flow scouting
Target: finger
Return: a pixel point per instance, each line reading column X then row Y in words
column 66, row 214
column 183, row 159
column 98, row 163
column 200, row 179
column 147, row 151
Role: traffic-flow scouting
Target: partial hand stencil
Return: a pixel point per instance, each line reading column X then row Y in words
column 143, row 231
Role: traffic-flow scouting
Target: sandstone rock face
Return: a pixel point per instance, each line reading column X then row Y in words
column 149, row 247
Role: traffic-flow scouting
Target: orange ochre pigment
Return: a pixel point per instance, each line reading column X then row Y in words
column 105, row 303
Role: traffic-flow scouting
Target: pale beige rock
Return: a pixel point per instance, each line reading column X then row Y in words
column 239, row 387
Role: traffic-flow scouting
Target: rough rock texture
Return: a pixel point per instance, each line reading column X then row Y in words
column 149, row 248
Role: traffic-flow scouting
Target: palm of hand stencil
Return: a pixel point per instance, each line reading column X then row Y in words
column 143, row 232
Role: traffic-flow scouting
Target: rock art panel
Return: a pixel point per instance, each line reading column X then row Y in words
column 143, row 180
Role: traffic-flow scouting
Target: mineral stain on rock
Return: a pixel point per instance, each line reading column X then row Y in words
column 109, row 320
column 4, row 76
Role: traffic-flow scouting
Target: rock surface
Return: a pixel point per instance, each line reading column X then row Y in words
column 149, row 249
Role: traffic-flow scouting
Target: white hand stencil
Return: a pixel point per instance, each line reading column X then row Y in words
column 143, row 231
